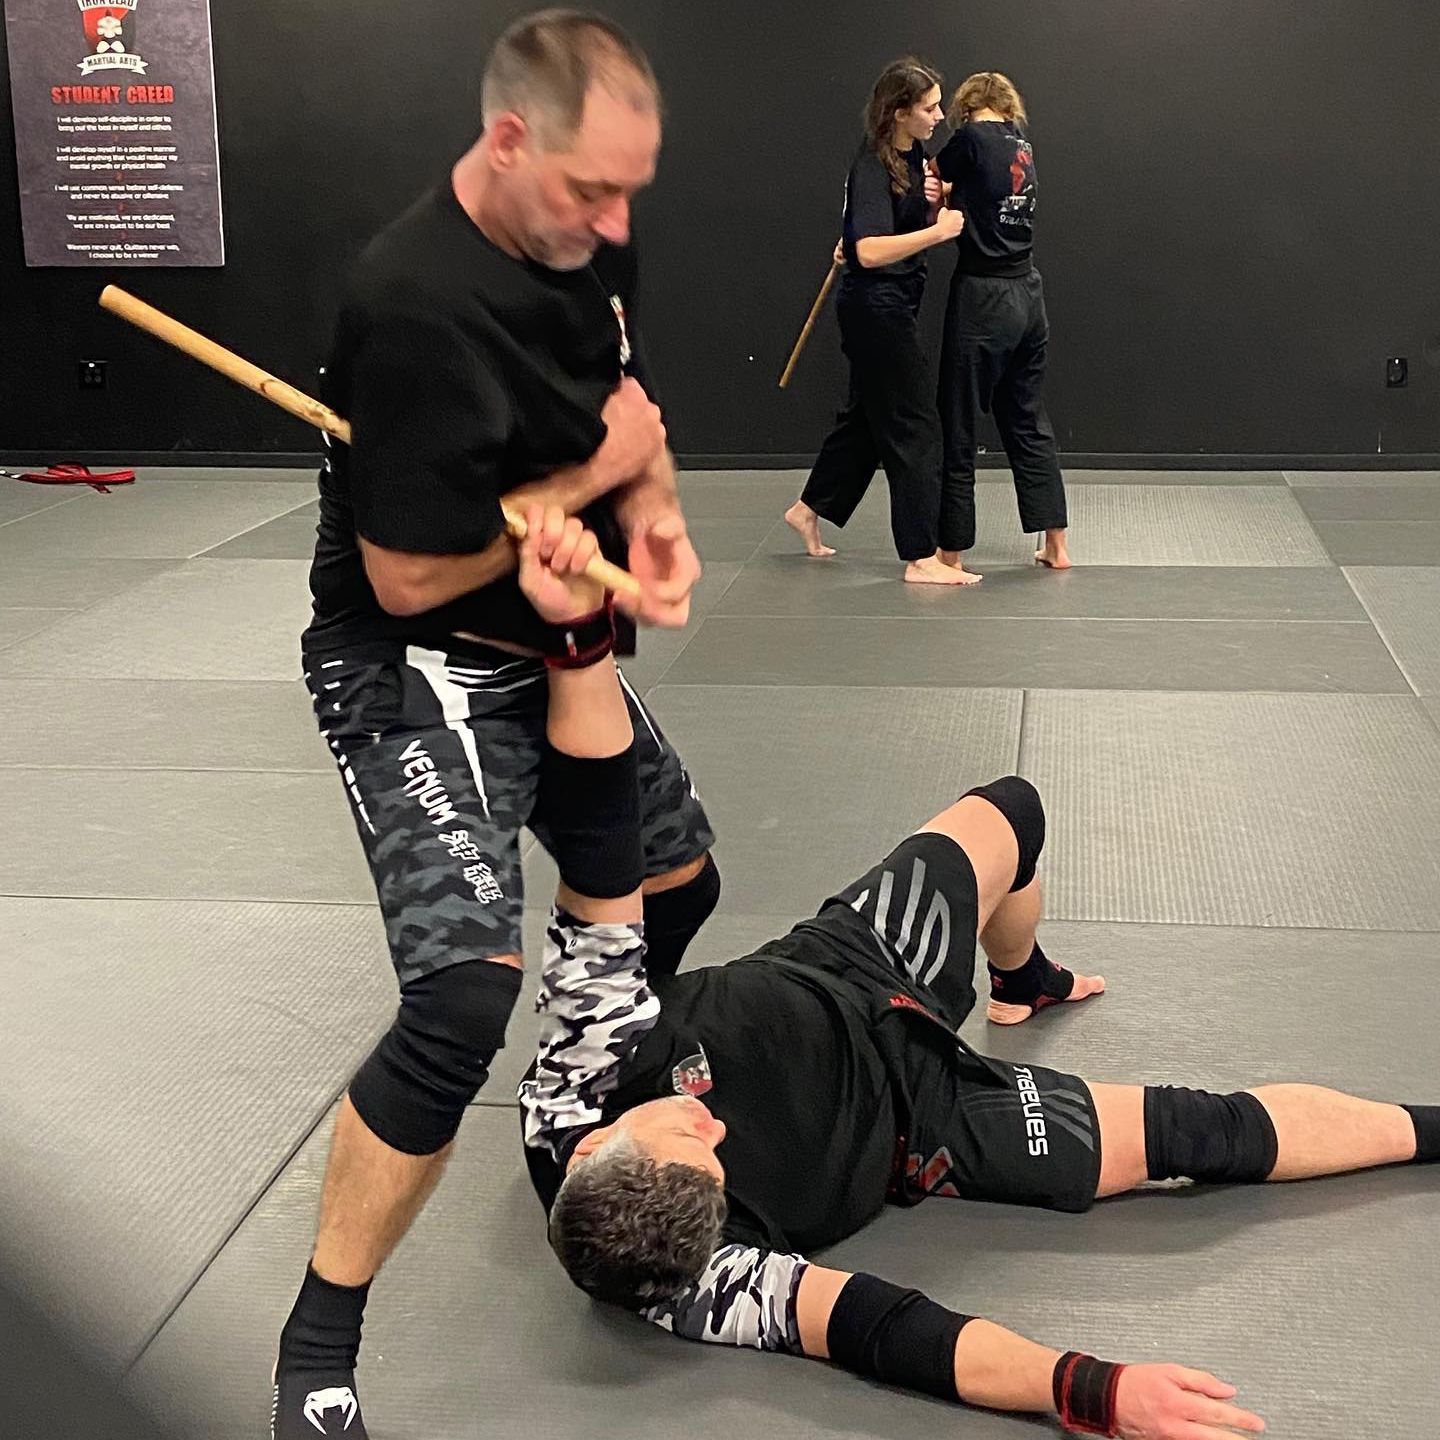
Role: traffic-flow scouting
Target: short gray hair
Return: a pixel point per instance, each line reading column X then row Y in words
column 543, row 66
column 632, row 1232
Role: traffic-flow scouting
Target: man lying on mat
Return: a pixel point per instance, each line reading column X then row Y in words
column 833, row 1082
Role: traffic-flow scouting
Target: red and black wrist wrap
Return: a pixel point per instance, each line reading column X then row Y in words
column 1085, row 1393
column 584, row 640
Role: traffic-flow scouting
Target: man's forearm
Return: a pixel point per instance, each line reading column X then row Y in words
column 572, row 488
column 875, row 251
column 1000, row 1370
column 655, row 493
column 410, row 582
column 993, row 1367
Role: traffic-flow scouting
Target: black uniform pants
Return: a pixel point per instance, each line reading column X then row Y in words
column 888, row 420
column 992, row 361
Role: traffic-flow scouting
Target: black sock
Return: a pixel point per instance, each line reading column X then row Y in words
column 673, row 918
column 1039, row 981
column 323, row 1331
column 1427, row 1132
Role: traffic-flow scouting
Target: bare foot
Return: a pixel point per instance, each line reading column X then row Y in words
column 931, row 571
column 806, row 524
column 1053, row 554
column 954, row 559
column 999, row 1012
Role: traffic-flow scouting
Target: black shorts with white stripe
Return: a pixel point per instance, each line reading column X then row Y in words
column 906, row 925
column 440, row 757
column 978, row 1128
column 1034, row 1140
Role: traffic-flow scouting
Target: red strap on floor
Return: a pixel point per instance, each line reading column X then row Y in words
column 74, row 475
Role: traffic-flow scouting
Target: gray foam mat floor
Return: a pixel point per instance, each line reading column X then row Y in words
column 1404, row 603
column 1238, row 810
column 1380, row 542
column 1194, row 1275
column 1118, row 525
column 1243, row 783
column 162, row 724
column 954, row 650
column 795, row 785
column 199, row 1042
column 795, row 586
column 152, row 522
column 206, row 620
column 18, row 500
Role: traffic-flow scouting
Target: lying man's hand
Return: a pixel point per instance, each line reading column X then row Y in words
column 1169, row 1402
column 553, row 556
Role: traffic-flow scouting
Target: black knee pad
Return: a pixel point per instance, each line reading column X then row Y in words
column 1019, row 802
column 413, row 1088
column 591, row 811
column 1201, row 1136
column 673, row 918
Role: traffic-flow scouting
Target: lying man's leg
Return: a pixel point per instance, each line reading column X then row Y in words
column 1026, row 1135
column 1001, row 827
column 1275, row 1132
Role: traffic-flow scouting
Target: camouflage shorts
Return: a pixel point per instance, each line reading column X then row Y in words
column 440, row 756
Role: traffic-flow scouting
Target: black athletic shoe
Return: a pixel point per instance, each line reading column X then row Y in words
column 310, row 1403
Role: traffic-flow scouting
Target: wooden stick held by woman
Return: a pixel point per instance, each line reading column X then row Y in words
column 304, row 407
column 809, row 323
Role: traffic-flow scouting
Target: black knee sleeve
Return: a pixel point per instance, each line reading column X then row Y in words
column 1201, row 1136
column 592, row 811
column 673, row 918
column 413, row 1088
column 1019, row 802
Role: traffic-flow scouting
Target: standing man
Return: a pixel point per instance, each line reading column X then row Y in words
column 487, row 347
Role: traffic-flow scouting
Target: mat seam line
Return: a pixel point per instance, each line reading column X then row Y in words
column 72, row 611
column 1380, row 633
column 230, row 1234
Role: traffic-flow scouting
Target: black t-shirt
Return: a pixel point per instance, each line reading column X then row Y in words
column 464, row 372
column 991, row 167
column 810, row 1144
column 873, row 208
column 806, row 1050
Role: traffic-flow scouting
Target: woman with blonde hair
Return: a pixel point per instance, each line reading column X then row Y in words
column 996, row 330
column 893, row 215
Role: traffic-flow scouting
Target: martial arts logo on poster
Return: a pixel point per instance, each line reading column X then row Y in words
column 112, row 44
column 115, row 132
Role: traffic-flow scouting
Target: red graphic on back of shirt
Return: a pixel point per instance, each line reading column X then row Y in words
column 1022, row 169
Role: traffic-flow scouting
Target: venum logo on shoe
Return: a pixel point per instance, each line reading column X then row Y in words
column 319, row 1402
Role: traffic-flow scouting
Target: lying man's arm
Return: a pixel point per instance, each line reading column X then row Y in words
column 771, row 1301
column 594, row 1000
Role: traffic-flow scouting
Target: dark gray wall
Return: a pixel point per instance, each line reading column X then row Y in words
column 1239, row 216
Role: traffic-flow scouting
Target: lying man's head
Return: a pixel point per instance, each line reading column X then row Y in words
column 643, row 1204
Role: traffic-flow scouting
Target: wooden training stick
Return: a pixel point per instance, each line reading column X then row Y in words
column 302, row 406
column 809, row 324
